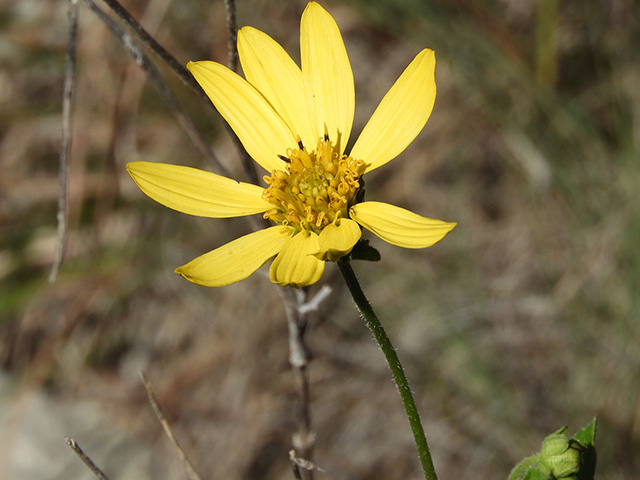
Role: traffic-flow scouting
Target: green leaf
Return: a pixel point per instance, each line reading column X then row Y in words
column 587, row 436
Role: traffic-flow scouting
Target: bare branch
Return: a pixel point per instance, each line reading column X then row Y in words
column 85, row 458
column 303, row 463
column 304, row 438
column 157, row 49
column 65, row 146
column 294, row 465
column 152, row 73
column 193, row 475
column 297, row 308
column 232, row 39
column 247, row 162
column 314, row 304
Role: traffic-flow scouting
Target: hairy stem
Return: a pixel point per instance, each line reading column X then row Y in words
column 523, row 466
column 390, row 354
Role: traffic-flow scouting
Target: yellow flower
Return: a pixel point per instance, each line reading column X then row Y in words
column 295, row 123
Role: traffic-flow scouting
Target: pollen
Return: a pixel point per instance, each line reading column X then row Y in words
column 315, row 188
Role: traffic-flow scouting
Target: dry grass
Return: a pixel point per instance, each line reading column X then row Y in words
column 524, row 319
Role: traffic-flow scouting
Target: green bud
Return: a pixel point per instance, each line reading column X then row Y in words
column 560, row 456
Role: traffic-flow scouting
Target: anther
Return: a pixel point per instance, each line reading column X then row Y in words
column 284, row 159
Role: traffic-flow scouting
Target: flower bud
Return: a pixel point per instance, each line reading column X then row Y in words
column 560, row 456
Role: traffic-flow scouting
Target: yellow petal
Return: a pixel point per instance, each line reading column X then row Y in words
column 276, row 76
column 337, row 239
column 295, row 265
column 260, row 129
column 398, row 226
column 327, row 75
column 236, row 260
column 197, row 192
column 401, row 115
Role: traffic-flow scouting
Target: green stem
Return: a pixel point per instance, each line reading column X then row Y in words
column 394, row 363
column 523, row 466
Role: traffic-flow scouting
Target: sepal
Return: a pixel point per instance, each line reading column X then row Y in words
column 363, row 251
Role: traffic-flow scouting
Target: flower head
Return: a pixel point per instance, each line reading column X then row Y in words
column 295, row 123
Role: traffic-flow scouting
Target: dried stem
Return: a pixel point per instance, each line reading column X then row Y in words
column 156, row 79
column 193, row 475
column 298, row 463
column 294, row 467
column 85, row 458
column 65, row 146
column 297, row 309
column 232, row 39
column 171, row 61
column 247, row 162
column 304, row 439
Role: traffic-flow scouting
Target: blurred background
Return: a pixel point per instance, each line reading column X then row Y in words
column 524, row 319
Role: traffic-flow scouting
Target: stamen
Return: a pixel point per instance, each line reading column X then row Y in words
column 314, row 189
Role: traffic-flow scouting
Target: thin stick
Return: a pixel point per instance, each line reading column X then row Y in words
column 85, row 458
column 314, row 304
column 65, row 146
column 152, row 73
column 302, row 463
column 296, row 310
column 296, row 471
column 193, row 475
column 182, row 73
column 232, row 35
column 248, row 164
column 144, row 36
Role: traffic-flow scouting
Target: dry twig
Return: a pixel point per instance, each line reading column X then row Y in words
column 65, row 146
column 247, row 162
column 156, row 79
column 193, row 475
column 297, row 463
column 85, row 458
column 144, row 36
column 294, row 465
column 232, row 39
column 297, row 309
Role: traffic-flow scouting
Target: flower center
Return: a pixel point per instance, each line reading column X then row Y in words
column 314, row 189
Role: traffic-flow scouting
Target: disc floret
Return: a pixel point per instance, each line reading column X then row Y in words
column 315, row 189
